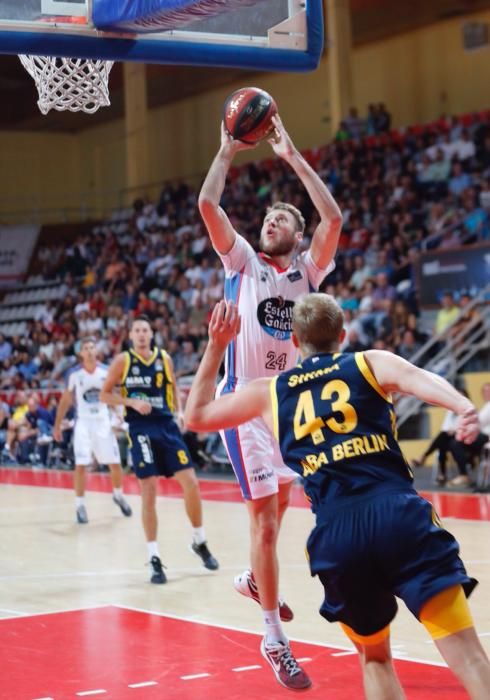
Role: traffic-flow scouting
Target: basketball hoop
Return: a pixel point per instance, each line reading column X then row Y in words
column 75, row 84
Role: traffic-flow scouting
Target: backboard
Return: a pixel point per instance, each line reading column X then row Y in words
column 262, row 34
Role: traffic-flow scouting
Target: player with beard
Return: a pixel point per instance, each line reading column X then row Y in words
column 264, row 287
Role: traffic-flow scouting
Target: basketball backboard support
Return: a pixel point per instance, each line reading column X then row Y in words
column 260, row 34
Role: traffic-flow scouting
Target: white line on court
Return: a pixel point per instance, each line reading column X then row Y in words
column 85, row 693
column 246, row 668
column 195, row 676
column 241, row 629
column 68, row 610
column 13, row 612
column 145, row 684
column 112, row 572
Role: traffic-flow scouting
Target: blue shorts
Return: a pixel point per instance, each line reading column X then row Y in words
column 378, row 547
column 158, row 450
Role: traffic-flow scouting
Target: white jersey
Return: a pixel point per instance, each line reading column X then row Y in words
column 265, row 295
column 87, row 387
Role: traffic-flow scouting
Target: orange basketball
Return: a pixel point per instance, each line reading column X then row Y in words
column 248, row 114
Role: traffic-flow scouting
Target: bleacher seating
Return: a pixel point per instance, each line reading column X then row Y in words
column 155, row 257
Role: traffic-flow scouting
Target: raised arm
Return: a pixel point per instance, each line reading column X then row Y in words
column 220, row 230
column 202, row 411
column 393, row 373
column 63, row 406
column 113, row 381
column 327, row 233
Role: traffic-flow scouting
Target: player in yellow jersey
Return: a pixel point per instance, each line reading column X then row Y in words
column 150, row 396
column 375, row 539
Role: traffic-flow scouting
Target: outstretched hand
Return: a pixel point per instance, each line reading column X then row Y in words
column 231, row 144
column 224, row 324
column 281, row 142
column 468, row 426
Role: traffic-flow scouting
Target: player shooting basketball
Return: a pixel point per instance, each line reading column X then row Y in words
column 264, row 286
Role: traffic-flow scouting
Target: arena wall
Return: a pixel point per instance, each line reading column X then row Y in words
column 418, row 75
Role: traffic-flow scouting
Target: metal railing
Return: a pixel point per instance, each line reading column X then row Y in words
column 448, row 352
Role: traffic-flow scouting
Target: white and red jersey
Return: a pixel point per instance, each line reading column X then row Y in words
column 87, row 386
column 265, row 296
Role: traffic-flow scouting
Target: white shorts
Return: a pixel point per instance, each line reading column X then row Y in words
column 256, row 459
column 95, row 439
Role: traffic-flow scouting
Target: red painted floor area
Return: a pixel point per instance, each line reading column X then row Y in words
column 126, row 654
column 448, row 505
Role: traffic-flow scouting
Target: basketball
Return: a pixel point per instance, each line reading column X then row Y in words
column 248, row 114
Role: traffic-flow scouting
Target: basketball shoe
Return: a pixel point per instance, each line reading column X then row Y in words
column 286, row 669
column 202, row 551
column 82, row 517
column 245, row 584
column 123, row 505
column 158, row 575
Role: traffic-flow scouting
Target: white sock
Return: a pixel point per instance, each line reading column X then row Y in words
column 117, row 493
column 79, row 501
column 198, row 535
column 153, row 549
column 273, row 628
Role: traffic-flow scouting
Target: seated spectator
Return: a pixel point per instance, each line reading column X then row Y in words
column 353, row 342
column 18, row 412
column 464, row 147
column 4, row 420
column 46, row 314
column 475, row 219
column 408, row 346
column 186, row 360
column 459, row 180
column 5, row 348
column 383, row 296
column 81, row 304
column 361, row 273
column 469, row 324
column 436, row 173
column 38, row 424
column 27, row 366
column 447, row 314
column 450, row 238
column 441, row 444
column 347, row 298
column 215, row 289
column 383, row 265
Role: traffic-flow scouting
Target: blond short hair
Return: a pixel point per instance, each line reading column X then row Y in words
column 86, row 340
column 317, row 323
column 298, row 216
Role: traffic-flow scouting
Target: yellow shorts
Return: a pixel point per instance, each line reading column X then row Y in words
column 446, row 613
column 368, row 640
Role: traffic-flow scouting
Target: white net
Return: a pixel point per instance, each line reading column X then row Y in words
column 75, row 84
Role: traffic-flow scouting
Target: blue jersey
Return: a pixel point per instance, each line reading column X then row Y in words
column 336, row 427
column 149, row 380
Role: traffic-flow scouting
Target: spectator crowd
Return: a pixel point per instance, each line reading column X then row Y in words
column 401, row 192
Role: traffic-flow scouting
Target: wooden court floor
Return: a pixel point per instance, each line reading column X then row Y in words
column 78, row 617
